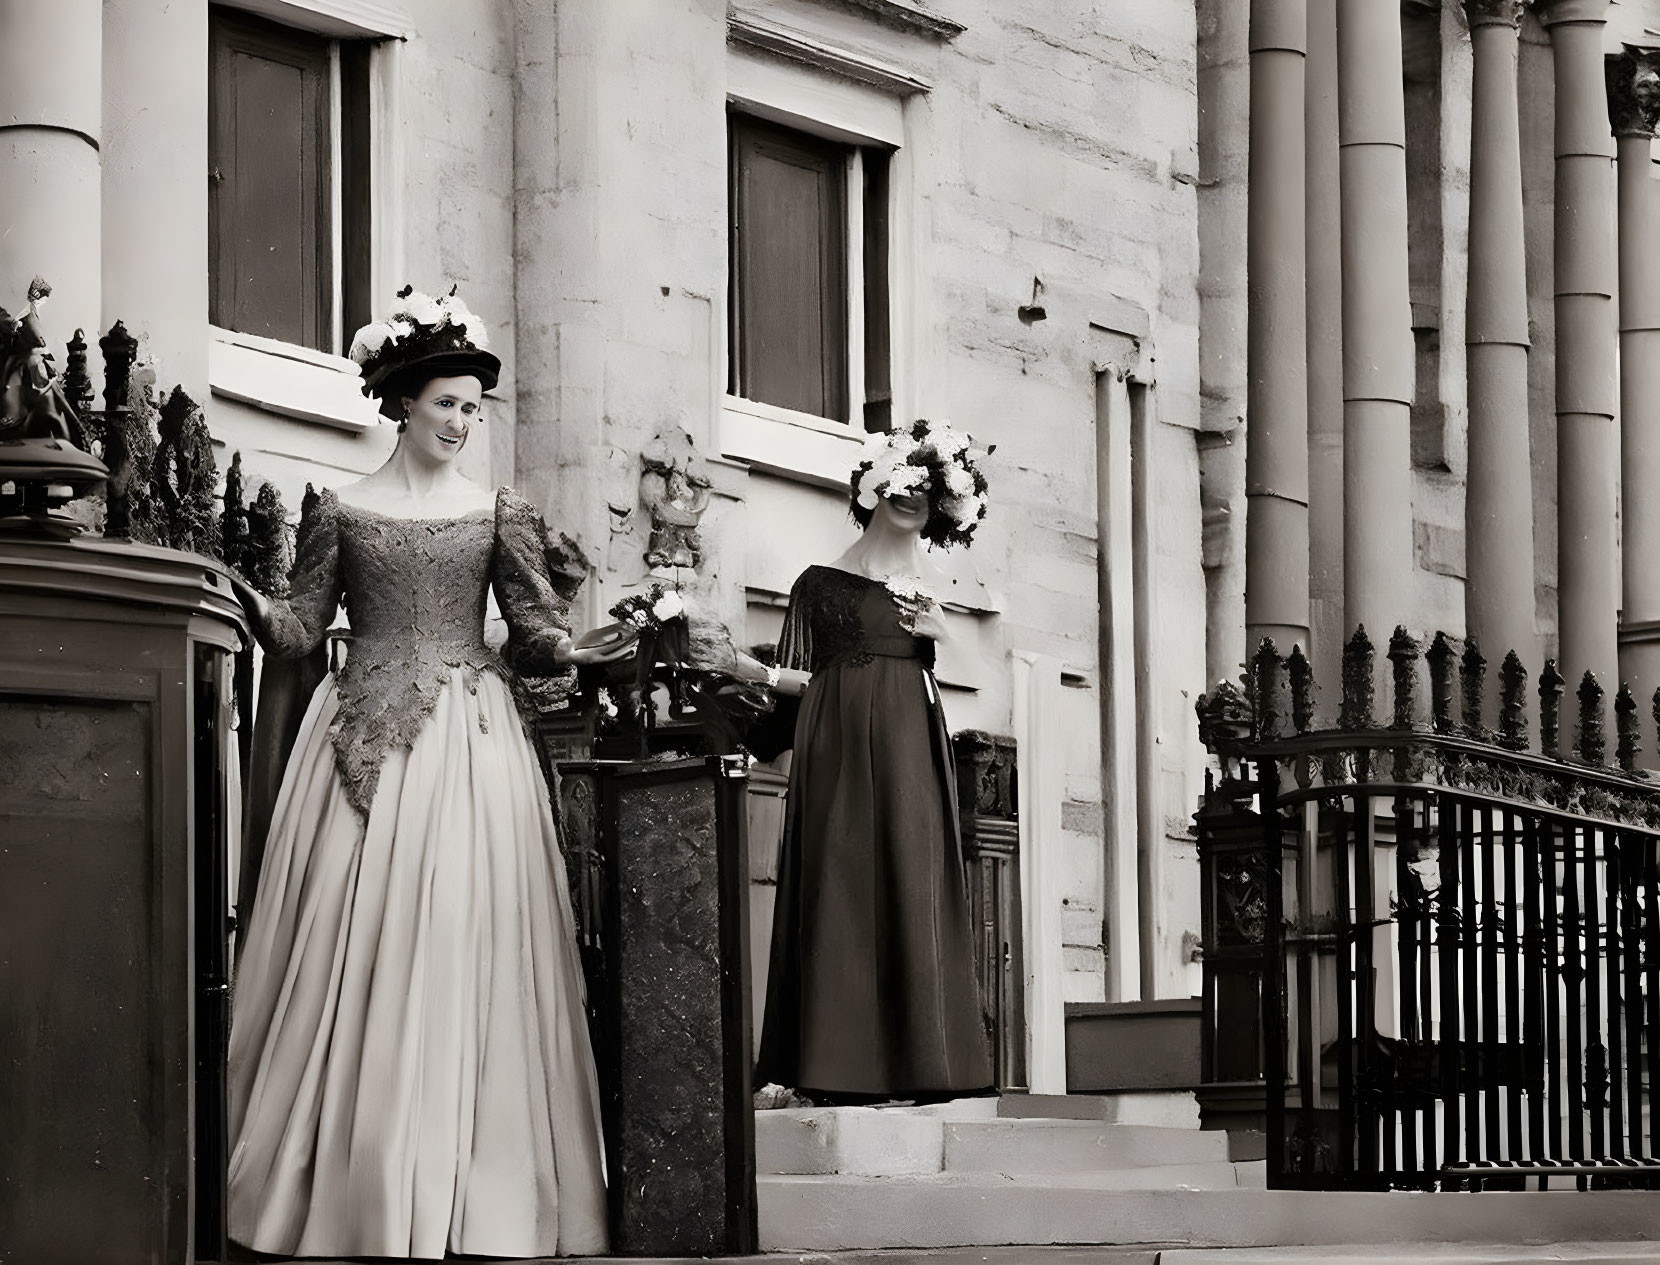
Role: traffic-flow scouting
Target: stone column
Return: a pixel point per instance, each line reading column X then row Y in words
column 1224, row 83
column 1377, row 321
column 50, row 121
column 1498, row 507
column 1586, row 435
column 1276, row 418
column 1325, row 346
column 155, row 146
column 1633, row 109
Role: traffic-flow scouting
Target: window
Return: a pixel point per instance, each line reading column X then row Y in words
column 288, row 186
column 809, row 273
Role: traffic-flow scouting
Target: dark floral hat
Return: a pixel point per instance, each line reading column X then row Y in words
column 928, row 459
column 434, row 337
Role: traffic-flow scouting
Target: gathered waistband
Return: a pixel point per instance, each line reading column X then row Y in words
column 883, row 648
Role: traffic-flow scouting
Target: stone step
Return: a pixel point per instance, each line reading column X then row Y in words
column 852, row 1213
column 889, row 1142
column 1068, row 1146
column 1420, row 1254
column 1177, row 1109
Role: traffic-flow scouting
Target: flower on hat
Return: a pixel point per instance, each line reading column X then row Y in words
column 932, row 459
column 419, row 326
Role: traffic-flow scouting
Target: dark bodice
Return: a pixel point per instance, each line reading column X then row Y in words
column 837, row 617
column 415, row 591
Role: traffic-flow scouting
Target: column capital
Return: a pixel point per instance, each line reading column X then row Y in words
column 1493, row 12
column 1633, row 90
column 1561, row 12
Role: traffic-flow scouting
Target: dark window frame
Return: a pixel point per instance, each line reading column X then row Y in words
column 750, row 137
column 334, row 260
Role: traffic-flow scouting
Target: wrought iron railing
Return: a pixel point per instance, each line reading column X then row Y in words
column 1438, row 950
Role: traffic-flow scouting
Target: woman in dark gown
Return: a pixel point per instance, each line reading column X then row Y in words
column 871, row 993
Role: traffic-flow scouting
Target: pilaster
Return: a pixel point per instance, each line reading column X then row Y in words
column 1498, row 505
column 1587, row 450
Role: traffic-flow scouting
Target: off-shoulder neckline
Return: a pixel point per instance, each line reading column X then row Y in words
column 479, row 515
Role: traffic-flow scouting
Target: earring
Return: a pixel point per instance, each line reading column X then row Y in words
column 403, row 425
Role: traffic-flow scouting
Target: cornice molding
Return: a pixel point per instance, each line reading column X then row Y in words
column 763, row 34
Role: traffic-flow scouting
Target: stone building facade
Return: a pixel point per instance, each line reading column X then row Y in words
column 1032, row 219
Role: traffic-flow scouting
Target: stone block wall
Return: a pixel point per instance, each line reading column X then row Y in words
column 1052, row 145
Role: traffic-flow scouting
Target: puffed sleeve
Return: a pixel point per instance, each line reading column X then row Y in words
column 795, row 642
column 294, row 626
column 536, row 614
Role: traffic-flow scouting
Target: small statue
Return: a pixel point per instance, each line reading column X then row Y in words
column 33, row 404
column 675, row 488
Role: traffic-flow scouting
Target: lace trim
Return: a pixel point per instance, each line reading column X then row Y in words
column 828, row 621
column 415, row 590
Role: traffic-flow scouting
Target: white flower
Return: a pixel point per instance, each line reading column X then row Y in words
column 669, row 606
column 451, row 308
column 423, row 308
column 947, row 441
column 370, row 339
column 973, row 510
column 606, row 705
column 958, row 481
column 401, row 326
column 906, row 479
column 874, row 446
column 867, row 493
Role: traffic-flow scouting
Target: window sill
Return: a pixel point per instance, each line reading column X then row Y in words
column 291, row 381
column 793, row 445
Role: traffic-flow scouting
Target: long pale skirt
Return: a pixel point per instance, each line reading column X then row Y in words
column 410, row 1069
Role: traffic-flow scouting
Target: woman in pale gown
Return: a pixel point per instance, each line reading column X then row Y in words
column 410, row 1070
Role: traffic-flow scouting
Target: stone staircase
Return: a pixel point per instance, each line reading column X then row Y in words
column 1110, row 1170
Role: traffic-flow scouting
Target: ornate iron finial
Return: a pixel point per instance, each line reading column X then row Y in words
column 1403, row 658
column 1550, row 709
column 1302, row 690
column 1625, row 727
column 1358, row 657
column 1472, row 669
column 1268, row 673
column 1591, row 744
column 1224, row 717
column 1440, row 659
column 77, row 380
column 120, row 352
column 1632, row 77
column 1512, row 703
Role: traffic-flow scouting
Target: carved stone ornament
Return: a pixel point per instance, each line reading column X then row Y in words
column 674, row 488
column 1493, row 12
column 1633, row 79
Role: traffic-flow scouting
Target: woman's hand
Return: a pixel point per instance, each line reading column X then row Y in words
column 926, row 619
column 253, row 601
column 749, row 668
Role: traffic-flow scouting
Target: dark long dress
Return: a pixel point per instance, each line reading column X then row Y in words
column 871, row 989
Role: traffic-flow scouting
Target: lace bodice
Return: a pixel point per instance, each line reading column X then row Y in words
column 838, row 617
column 415, row 592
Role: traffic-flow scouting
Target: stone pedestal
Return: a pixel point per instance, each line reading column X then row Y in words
column 115, row 813
column 660, row 872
